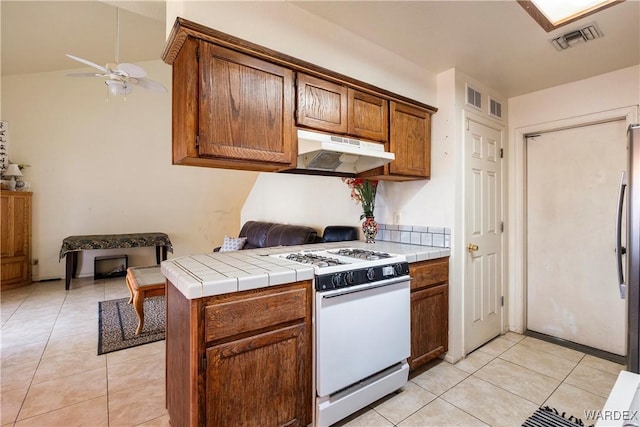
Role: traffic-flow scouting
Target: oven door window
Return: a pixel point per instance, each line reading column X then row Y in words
column 360, row 332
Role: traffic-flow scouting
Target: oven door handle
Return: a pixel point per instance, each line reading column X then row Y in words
column 361, row 288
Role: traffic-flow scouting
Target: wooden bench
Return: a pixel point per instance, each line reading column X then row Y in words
column 144, row 282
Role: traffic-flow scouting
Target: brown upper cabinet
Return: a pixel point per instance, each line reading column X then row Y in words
column 332, row 107
column 410, row 141
column 231, row 110
column 236, row 105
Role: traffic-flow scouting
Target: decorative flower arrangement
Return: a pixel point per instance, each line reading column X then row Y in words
column 364, row 192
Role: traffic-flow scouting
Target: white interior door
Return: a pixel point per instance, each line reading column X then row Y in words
column 572, row 189
column 483, row 217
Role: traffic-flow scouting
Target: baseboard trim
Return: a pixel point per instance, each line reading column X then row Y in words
column 622, row 360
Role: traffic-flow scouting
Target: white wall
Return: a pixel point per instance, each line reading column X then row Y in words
column 105, row 167
column 604, row 97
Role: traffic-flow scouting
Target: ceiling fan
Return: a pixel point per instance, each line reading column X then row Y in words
column 120, row 78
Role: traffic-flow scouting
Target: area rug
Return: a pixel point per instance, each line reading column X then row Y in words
column 550, row 417
column 118, row 321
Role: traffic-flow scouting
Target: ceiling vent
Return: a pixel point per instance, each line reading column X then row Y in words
column 585, row 34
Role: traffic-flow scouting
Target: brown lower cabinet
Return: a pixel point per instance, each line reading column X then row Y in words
column 429, row 310
column 15, row 236
column 240, row 359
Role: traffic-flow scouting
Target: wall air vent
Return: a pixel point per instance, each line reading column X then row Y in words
column 474, row 97
column 582, row 35
column 495, row 108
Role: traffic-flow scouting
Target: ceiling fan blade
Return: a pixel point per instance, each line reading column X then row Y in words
column 152, row 85
column 89, row 63
column 132, row 70
column 84, row 75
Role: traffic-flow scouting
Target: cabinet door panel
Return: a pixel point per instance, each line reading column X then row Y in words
column 368, row 116
column 14, row 270
column 410, row 140
column 260, row 380
column 429, row 324
column 246, row 107
column 5, row 230
column 21, row 226
column 15, row 235
column 321, row 104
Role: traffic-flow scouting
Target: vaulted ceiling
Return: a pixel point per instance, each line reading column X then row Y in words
column 496, row 42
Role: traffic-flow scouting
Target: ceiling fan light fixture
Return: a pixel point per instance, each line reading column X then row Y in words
column 118, row 87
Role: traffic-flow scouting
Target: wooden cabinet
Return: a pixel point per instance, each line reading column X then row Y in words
column 410, row 141
column 321, row 104
column 429, row 310
column 234, row 104
column 15, row 239
column 240, row 359
column 336, row 108
column 231, row 110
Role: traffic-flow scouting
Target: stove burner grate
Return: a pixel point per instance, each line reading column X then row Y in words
column 362, row 254
column 313, row 259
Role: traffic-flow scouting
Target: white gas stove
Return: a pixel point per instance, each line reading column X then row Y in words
column 362, row 328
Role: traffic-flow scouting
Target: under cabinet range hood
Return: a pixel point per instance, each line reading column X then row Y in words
column 323, row 152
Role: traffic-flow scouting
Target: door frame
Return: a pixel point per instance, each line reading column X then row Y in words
column 516, row 246
column 461, row 252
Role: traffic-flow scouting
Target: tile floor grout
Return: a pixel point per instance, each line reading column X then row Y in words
column 36, row 390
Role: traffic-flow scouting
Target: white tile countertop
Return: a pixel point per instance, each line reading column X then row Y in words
column 217, row 273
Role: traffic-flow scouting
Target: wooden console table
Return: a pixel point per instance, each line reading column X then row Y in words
column 73, row 244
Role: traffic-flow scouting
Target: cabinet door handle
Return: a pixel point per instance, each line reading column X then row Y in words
column 472, row 248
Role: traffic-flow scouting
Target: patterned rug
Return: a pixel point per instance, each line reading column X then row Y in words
column 550, row 417
column 118, row 321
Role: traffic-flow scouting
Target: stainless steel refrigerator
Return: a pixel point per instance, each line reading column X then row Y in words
column 629, row 246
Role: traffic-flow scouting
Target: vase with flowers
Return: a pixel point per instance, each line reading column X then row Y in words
column 363, row 191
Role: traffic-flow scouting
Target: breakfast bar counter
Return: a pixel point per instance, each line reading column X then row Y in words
column 216, row 273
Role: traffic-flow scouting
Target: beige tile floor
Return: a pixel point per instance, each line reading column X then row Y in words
column 51, row 376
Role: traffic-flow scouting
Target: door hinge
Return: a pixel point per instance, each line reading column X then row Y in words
column 203, row 362
column 197, row 142
column 467, row 124
column 198, row 54
column 502, row 301
column 502, row 227
column 502, row 153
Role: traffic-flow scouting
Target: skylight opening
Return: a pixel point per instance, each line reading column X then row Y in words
column 551, row 14
column 558, row 12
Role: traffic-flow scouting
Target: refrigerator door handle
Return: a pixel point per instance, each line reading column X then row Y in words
column 621, row 250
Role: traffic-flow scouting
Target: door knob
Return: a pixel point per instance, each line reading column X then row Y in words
column 472, row 248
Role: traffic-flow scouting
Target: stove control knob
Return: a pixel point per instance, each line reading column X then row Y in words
column 371, row 274
column 350, row 278
column 399, row 270
column 337, row 280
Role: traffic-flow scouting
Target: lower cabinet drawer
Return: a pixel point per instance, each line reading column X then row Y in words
column 428, row 273
column 248, row 313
